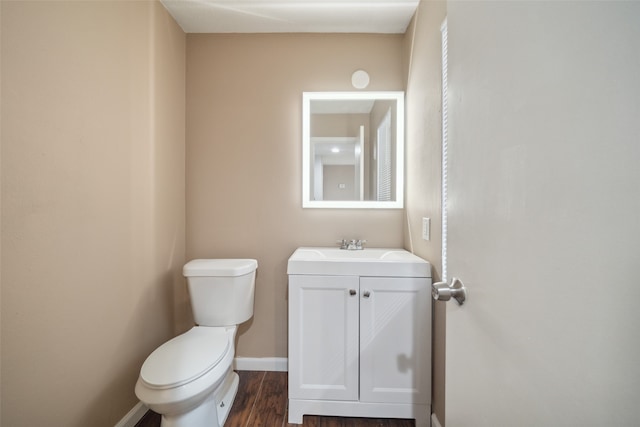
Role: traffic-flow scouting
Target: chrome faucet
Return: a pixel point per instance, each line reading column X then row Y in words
column 352, row 245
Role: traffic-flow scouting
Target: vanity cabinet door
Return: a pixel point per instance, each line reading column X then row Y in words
column 395, row 336
column 323, row 337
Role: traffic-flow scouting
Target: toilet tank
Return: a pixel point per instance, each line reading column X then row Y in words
column 221, row 290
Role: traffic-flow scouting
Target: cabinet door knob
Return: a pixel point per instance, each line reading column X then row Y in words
column 352, row 291
column 366, row 294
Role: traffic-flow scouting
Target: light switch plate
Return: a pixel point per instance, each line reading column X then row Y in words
column 426, row 225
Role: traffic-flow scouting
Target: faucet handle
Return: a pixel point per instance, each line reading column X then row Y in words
column 352, row 244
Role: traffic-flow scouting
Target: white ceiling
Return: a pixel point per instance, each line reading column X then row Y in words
column 292, row 16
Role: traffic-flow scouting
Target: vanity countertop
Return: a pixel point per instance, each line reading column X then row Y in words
column 389, row 262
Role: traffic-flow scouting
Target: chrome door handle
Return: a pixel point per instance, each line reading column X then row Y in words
column 441, row 291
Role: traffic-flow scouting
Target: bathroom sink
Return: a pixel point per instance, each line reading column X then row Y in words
column 365, row 262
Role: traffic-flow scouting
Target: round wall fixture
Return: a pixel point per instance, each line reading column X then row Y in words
column 360, row 79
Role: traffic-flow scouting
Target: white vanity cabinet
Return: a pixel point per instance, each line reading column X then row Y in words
column 359, row 346
column 324, row 319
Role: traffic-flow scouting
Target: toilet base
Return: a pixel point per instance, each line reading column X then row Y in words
column 226, row 396
column 212, row 412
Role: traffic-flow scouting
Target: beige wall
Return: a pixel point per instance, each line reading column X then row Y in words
column 244, row 100
column 92, row 205
column 423, row 60
column 93, row 177
column 336, row 175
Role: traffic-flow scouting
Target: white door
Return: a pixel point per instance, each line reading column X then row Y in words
column 544, row 214
column 383, row 138
column 359, row 149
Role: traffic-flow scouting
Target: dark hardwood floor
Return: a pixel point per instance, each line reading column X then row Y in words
column 262, row 402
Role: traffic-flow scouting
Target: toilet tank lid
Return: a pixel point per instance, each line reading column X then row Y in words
column 219, row 267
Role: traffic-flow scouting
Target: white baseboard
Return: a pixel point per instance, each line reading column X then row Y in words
column 278, row 364
column 434, row 421
column 133, row 416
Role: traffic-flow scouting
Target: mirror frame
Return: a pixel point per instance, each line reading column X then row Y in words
column 307, row 98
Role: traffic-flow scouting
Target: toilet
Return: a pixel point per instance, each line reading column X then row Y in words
column 189, row 380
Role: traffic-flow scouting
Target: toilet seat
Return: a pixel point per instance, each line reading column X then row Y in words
column 185, row 358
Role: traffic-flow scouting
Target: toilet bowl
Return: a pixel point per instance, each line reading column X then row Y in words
column 189, row 379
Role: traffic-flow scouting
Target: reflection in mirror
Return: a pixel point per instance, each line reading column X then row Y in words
column 352, row 149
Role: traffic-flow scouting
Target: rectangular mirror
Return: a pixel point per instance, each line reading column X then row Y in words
column 353, row 150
